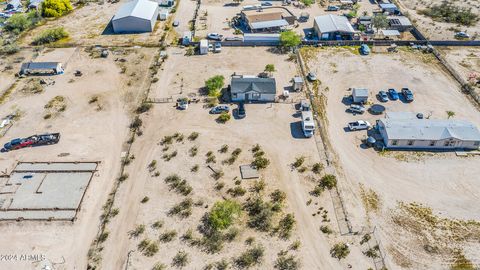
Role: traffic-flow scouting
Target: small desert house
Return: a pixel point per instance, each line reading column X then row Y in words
column 333, row 27
column 41, row 68
column 428, row 134
column 137, row 16
column 253, row 89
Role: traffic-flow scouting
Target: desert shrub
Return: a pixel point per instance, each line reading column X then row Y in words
column 180, row 259
column 159, row 266
column 258, row 186
column 144, row 107
column 237, row 191
column 103, row 237
column 214, row 85
column 50, row 35
column 166, row 140
column 295, row 245
column 365, row 238
column 55, row 8
column 223, row 264
column 286, row 262
column 325, row 229
column 148, row 247
column 236, row 152
column 194, row 168
column 223, row 214
column 231, row 234
column 157, row 224
column 260, row 214
column 328, row 181
column 223, row 117
column 145, row 199
column 223, row 149
column 137, row 231
column 193, row 136
column 168, row 236
column 372, row 252
column 182, row 209
column 260, row 162
column 340, row 251
column 9, row 49
column 123, row 177
column 251, row 257
column 449, row 12
column 219, row 185
column 217, row 174
column 180, row 186
column 278, row 196
column 136, row 123
column 18, row 23
column 298, row 162
column 317, row 168
column 285, row 226
column 152, row 165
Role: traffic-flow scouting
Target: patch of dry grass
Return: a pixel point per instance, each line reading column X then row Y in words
column 371, row 200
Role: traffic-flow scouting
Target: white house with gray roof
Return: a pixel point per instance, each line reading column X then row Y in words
column 333, row 27
column 136, row 17
column 252, row 89
column 401, row 131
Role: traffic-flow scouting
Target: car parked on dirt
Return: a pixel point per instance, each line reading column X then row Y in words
column 393, row 94
column 382, row 96
column 218, row 47
column 364, row 49
column 355, row 108
column 311, row 76
column 408, row 94
column 333, row 8
column 359, row 125
column 214, row 36
column 219, row 109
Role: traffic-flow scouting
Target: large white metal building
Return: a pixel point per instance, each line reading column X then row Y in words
column 405, row 131
column 136, row 17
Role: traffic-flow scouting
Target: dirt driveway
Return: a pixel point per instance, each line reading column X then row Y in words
column 442, row 181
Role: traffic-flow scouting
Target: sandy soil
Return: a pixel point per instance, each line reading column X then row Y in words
column 82, row 127
column 273, row 126
column 439, row 30
column 87, row 25
column 444, row 182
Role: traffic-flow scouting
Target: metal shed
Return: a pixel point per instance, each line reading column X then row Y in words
column 297, row 83
column 359, row 95
column 41, row 67
column 136, row 17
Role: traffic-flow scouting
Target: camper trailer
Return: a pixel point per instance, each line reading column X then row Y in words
column 308, row 125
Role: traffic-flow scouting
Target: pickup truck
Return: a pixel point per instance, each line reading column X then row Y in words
column 359, row 125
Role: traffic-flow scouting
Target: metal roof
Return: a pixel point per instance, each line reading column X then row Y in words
column 360, row 92
column 388, row 6
column 260, row 85
column 268, row 24
column 333, row 23
column 399, row 20
column 390, row 32
column 40, row 65
column 143, row 9
column 429, row 129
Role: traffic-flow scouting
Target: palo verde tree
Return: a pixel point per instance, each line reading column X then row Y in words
column 214, row 85
column 380, row 22
column 56, row 8
column 223, row 214
column 289, row 39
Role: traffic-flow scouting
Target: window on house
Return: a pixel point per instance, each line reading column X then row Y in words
column 410, row 142
column 394, row 142
column 432, row 143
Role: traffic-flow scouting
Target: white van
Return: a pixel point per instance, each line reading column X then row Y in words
column 308, row 125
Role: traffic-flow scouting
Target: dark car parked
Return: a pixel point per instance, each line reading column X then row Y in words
column 393, row 94
column 241, row 113
column 408, row 94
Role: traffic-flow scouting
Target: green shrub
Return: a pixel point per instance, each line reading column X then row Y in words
column 50, row 35
column 18, row 23
column 286, row 262
column 193, row 136
column 278, row 196
column 224, row 117
column 340, row 251
column 298, row 162
column 260, row 214
column 317, row 168
column 182, row 209
column 325, row 229
column 328, row 181
column 214, row 85
column 181, row 259
column 250, row 257
column 223, row 214
column 55, row 8
column 168, row 236
column 285, row 226
column 261, row 162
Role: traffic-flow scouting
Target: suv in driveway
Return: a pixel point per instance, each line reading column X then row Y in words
column 214, row 36
column 407, row 94
column 355, row 108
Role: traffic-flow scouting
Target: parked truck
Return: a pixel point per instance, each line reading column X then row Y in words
column 308, row 125
column 34, row 140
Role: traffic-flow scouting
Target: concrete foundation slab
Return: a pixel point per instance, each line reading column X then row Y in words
column 248, row 172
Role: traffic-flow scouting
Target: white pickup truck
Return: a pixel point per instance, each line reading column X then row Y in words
column 359, row 125
column 308, row 125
